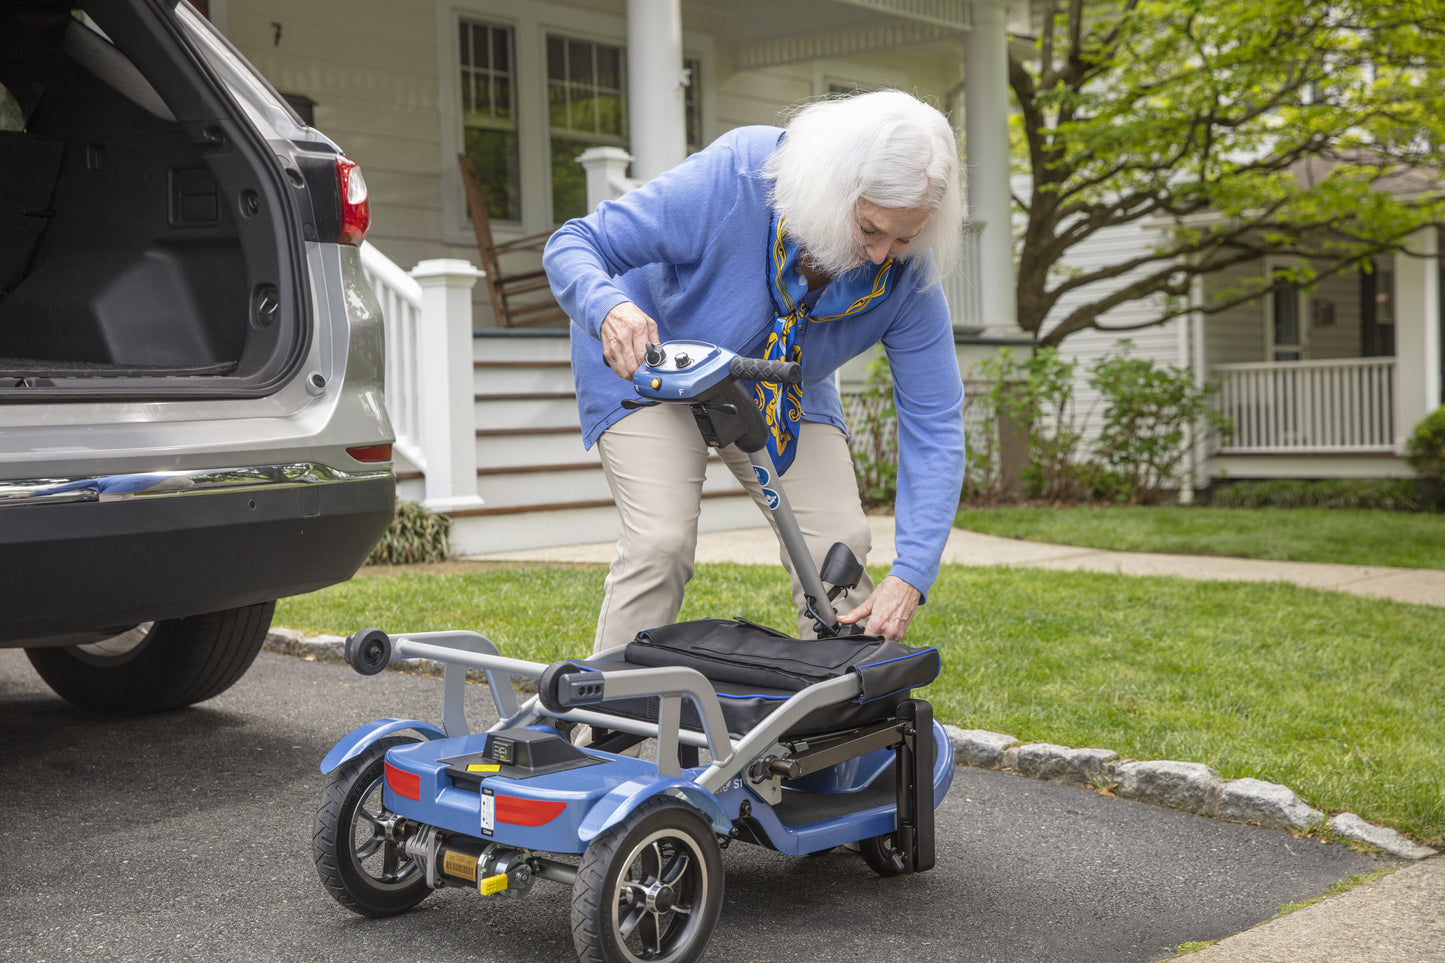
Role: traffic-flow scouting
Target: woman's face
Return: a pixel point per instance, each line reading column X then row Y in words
column 885, row 232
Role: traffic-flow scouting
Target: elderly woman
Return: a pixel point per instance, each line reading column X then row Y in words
column 811, row 244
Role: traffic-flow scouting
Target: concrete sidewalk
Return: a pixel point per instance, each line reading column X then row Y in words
column 758, row 546
column 1397, row 919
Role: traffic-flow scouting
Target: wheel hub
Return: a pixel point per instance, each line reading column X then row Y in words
column 660, row 898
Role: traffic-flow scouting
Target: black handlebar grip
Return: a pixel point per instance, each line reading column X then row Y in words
column 758, row 369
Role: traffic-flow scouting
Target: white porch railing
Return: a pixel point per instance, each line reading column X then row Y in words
column 400, row 297
column 1309, row 406
column 427, row 314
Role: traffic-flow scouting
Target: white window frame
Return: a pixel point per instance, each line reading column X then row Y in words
column 531, row 22
column 587, row 139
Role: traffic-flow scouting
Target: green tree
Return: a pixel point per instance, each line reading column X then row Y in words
column 1289, row 127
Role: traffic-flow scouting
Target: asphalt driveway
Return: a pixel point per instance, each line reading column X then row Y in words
column 186, row 836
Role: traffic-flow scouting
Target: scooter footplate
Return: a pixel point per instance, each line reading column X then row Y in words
column 803, row 808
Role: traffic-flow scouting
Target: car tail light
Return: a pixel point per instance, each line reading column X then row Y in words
column 355, row 202
column 404, row 784
column 527, row 812
column 371, row 453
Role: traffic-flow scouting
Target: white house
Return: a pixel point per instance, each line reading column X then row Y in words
column 1324, row 382
column 524, row 87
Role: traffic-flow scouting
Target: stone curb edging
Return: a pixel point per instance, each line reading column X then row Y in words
column 1187, row 786
column 315, row 648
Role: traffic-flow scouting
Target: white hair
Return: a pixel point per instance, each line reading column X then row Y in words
column 885, row 147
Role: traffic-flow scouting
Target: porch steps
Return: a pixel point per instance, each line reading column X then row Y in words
column 538, row 485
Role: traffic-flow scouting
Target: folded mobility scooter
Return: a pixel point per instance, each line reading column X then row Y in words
column 810, row 744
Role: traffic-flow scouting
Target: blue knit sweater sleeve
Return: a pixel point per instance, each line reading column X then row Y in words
column 928, row 397
column 668, row 220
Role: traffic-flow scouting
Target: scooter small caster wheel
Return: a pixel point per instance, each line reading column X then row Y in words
column 368, row 651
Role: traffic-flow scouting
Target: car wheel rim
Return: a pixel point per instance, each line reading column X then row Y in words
column 117, row 649
column 661, row 891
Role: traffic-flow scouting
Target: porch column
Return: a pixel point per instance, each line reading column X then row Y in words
column 985, row 105
column 448, row 405
column 1417, row 332
column 1192, row 356
column 655, row 112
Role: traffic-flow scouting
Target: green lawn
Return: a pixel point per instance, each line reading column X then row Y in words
column 1399, row 539
column 1340, row 698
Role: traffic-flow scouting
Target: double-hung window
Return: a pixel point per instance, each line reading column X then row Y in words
column 489, row 114
column 586, row 107
column 537, row 85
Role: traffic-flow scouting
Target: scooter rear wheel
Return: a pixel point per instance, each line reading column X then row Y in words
column 359, row 858
column 882, row 854
column 650, row 888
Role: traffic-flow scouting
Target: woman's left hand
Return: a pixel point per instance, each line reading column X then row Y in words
column 889, row 610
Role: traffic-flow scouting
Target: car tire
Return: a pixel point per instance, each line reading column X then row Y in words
column 157, row 665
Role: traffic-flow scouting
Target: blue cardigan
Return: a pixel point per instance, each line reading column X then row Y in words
column 690, row 248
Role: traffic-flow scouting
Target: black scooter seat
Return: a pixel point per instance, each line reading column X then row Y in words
column 754, row 669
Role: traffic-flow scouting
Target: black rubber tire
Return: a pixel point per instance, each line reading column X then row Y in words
column 882, row 854
column 369, row 875
column 668, row 847
column 168, row 665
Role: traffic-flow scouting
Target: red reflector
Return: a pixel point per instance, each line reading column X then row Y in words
column 355, row 202
column 371, row 453
column 527, row 812
column 407, row 784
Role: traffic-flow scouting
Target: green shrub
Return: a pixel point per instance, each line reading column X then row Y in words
column 414, row 535
column 1038, row 393
column 1425, row 450
column 1390, row 494
column 1148, row 414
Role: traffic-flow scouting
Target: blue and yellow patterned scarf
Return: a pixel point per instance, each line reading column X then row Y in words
column 845, row 296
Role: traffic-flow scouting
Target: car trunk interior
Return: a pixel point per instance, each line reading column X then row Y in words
column 143, row 241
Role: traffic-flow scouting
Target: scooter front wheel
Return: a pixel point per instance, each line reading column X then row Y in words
column 354, row 840
column 650, row 888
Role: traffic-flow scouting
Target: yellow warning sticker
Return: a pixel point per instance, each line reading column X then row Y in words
column 473, row 767
column 460, row 865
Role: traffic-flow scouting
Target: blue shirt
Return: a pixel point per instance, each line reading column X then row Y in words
column 690, row 248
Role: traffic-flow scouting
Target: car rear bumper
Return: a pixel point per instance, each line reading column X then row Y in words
column 110, row 552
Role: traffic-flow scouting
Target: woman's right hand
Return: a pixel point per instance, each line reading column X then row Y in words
column 626, row 332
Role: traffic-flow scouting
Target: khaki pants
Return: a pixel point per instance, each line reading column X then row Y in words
column 655, row 460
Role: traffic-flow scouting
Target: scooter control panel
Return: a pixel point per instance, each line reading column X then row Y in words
column 681, row 370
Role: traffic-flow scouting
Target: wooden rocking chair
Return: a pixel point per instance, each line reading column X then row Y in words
column 519, row 298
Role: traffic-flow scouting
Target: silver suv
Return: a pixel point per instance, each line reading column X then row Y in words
column 191, row 419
